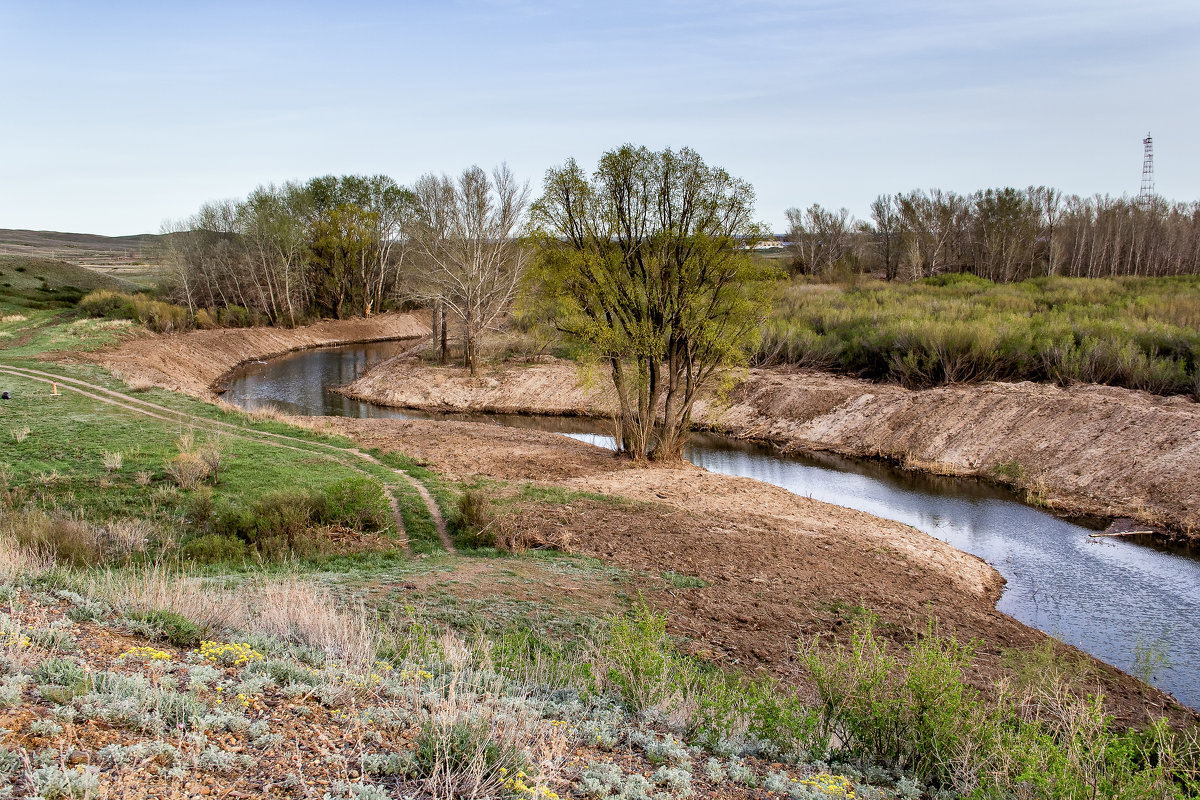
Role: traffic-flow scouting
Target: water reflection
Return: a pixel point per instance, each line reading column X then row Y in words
column 1111, row 597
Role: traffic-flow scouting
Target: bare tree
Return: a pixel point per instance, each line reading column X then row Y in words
column 465, row 235
column 887, row 234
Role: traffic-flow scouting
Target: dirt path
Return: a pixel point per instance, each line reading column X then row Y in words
column 1095, row 450
column 146, row 408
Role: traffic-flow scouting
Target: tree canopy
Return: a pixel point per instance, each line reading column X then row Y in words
column 648, row 261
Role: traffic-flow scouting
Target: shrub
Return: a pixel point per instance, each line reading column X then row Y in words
column 357, row 503
column 640, row 661
column 1139, row 333
column 108, row 304
column 70, row 541
column 187, row 470
column 213, row 548
column 276, row 524
column 475, row 519
column 172, row 627
column 919, row 713
column 463, row 755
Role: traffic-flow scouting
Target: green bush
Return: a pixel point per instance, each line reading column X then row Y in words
column 474, row 521
column 213, row 548
column 154, row 314
column 289, row 522
column 915, row 710
column 108, row 304
column 172, row 627
column 357, row 503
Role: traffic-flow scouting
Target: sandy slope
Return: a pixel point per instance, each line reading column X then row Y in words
column 192, row 362
column 1085, row 449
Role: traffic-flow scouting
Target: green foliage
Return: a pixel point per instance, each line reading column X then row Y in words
column 463, row 753
column 642, row 664
column 917, row 711
column 60, row 672
column 358, row 503
column 684, row 581
column 154, row 314
column 474, row 519
column 285, row 522
column 170, row 626
column 1139, row 333
column 643, row 282
column 215, row 548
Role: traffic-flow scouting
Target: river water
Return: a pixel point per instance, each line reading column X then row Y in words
column 1131, row 604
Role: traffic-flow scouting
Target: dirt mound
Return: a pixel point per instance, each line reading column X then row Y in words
column 1085, row 449
column 192, row 362
column 557, row 388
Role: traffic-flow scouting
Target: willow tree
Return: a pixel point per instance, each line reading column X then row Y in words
column 649, row 261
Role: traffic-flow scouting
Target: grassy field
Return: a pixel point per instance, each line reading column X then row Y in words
column 1139, row 333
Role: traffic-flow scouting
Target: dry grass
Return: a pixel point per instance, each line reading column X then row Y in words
column 187, row 470
column 22, row 560
column 113, row 461
column 474, row 732
column 288, row 609
column 263, row 413
column 19, row 434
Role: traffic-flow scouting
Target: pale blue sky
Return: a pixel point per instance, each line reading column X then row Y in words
column 116, row 116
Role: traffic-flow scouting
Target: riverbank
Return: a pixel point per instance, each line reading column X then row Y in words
column 767, row 566
column 194, row 362
column 1082, row 450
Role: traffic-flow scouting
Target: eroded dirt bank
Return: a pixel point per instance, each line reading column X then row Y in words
column 777, row 566
column 192, row 362
column 1085, row 449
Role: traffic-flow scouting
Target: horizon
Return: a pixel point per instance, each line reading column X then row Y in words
column 132, row 115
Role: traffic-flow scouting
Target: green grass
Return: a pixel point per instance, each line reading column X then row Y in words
column 1139, row 333
column 680, row 581
column 41, row 284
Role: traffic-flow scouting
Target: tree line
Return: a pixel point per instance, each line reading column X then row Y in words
column 647, row 262
column 1003, row 235
column 352, row 245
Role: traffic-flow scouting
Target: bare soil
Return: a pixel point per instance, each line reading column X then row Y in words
column 1096, row 450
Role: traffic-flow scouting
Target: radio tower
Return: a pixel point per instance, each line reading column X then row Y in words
column 1146, row 195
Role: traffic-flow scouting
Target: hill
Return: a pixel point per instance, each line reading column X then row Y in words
column 46, row 283
column 134, row 257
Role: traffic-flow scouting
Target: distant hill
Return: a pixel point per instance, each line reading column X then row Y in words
column 23, row 273
column 40, row 283
column 133, row 258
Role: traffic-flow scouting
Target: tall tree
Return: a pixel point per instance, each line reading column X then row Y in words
column 886, row 230
column 649, row 262
column 465, row 234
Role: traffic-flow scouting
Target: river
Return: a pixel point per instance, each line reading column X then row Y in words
column 1131, row 604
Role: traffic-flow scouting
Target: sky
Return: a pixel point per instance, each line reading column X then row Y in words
column 116, row 117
